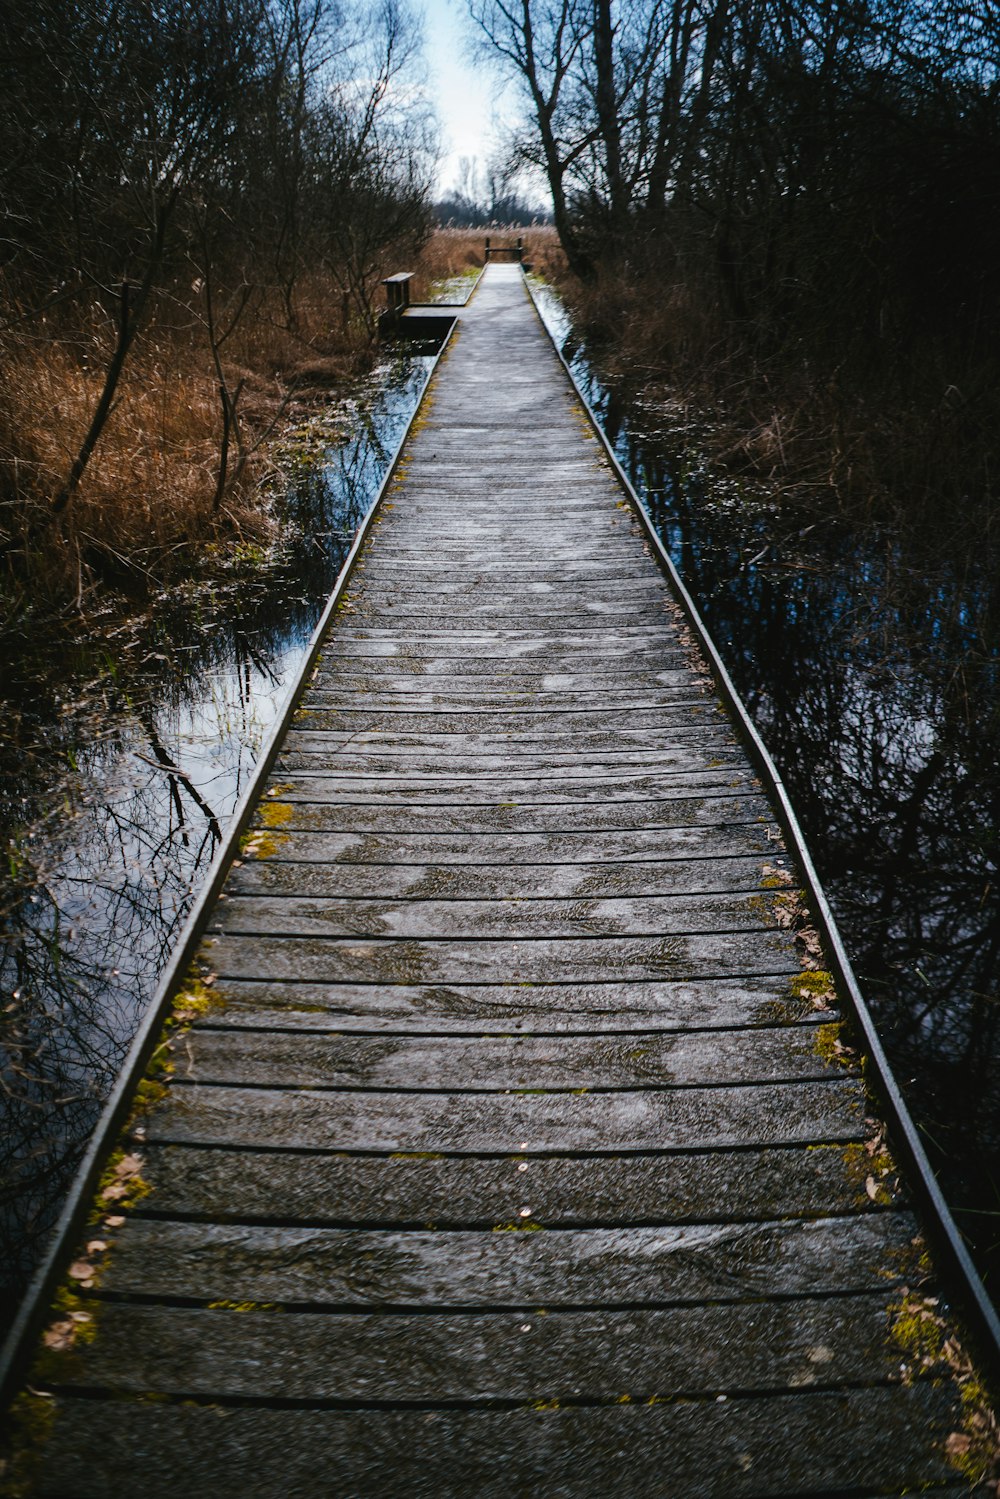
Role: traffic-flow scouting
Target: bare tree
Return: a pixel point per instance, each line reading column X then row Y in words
column 372, row 146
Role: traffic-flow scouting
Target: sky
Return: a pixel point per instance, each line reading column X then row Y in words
column 462, row 91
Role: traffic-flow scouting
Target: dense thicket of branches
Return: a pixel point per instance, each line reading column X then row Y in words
column 209, row 150
column 802, row 157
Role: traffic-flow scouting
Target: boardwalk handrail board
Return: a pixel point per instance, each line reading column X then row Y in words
column 515, row 958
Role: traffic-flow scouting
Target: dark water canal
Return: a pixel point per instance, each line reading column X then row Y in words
column 121, row 761
column 869, row 658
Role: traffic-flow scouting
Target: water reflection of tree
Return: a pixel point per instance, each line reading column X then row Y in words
column 118, row 769
column 91, row 917
column 871, row 666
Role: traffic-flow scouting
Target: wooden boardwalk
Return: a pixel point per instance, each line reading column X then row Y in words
column 510, row 1161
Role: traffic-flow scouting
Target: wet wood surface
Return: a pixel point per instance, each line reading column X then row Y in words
column 512, row 1159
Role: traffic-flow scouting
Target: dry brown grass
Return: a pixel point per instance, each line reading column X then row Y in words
column 896, row 439
column 448, row 252
column 457, row 252
column 144, row 509
column 143, row 514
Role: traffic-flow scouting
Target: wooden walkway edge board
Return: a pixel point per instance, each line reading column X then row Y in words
column 508, row 1147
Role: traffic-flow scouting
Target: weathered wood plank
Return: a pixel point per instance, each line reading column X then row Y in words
column 551, row 1268
column 532, row 1123
column 708, row 810
column 856, row 1441
column 591, row 847
column 505, row 1008
column 473, row 569
column 244, row 1186
column 506, row 721
column 475, row 598
column 587, row 572
column 430, row 918
column 472, row 614
column 419, row 755
column 676, row 755
column 485, row 1358
column 464, row 786
column 466, row 679
column 708, row 743
column 506, row 643
column 289, row 871
column 568, row 960
column 405, row 652
column 505, row 698
column 499, row 1064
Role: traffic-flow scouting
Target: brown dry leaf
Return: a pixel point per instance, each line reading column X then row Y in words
column 96, row 1246
column 116, row 1221
column 871, row 1187
column 957, row 1445
column 58, row 1336
column 80, row 1270
column 812, row 951
column 128, row 1167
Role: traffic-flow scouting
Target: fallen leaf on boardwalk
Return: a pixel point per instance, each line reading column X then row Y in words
column 58, row 1336
column 80, row 1270
column 812, row 951
column 871, row 1187
column 125, row 1171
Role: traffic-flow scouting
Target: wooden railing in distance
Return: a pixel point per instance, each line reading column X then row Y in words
column 397, row 291
column 397, row 300
column 516, row 252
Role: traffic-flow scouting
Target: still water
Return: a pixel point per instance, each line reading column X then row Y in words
column 121, row 763
column 868, row 655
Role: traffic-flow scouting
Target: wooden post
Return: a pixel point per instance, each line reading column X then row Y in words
column 397, row 298
column 487, row 247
